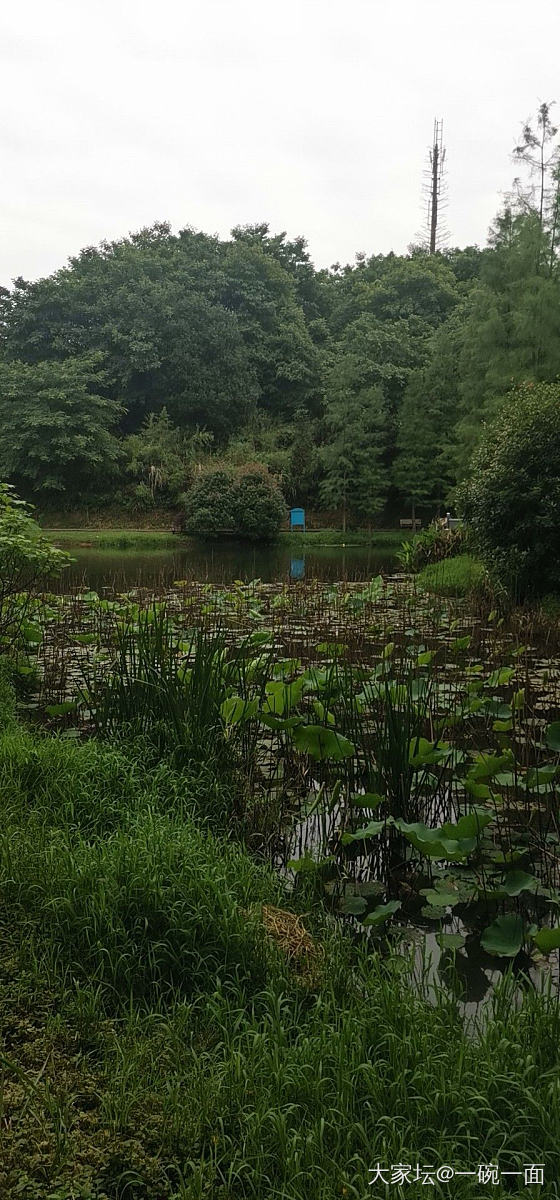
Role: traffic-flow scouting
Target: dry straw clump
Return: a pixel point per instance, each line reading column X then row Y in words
column 290, row 935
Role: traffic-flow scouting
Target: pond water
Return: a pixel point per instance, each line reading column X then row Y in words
column 222, row 563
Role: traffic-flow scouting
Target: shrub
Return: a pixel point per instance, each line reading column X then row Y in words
column 248, row 506
column 259, row 507
column 512, row 499
column 27, row 559
column 432, row 545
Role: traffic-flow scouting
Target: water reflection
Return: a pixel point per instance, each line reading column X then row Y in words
column 221, row 563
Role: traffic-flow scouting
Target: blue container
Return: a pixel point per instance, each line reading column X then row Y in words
column 297, row 518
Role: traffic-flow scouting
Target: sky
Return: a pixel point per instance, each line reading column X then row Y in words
column 312, row 116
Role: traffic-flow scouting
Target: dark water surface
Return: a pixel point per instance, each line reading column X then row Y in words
column 222, row 563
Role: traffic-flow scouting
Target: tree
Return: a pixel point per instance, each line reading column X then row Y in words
column 150, row 304
column 422, row 470
column 58, row 441
column 304, row 465
column 512, row 499
column 539, row 151
column 163, row 458
column 354, row 474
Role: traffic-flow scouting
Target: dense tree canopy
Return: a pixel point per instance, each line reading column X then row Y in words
column 364, row 387
column 512, row 500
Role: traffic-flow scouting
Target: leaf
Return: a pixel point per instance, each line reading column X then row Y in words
column 261, row 637
column 425, row 658
column 382, row 912
column 504, row 937
column 450, row 941
column 519, row 881
column 60, row 710
column 32, row 633
column 461, row 643
column 421, row 752
column 371, row 830
column 236, row 709
column 366, row 800
column 547, row 939
column 500, row 677
column 323, row 713
column 353, row 906
column 279, row 723
column 451, row 842
column 281, row 697
column 485, row 766
column 440, row 899
column 553, row 736
column 320, row 743
column 307, row 865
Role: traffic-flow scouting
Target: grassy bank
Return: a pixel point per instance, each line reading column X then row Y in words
column 453, row 577
column 114, row 539
column 391, row 538
column 162, row 1043
column 153, row 539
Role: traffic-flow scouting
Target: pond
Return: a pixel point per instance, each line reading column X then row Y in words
column 122, row 568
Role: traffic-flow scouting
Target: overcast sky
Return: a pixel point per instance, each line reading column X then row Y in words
column 313, row 116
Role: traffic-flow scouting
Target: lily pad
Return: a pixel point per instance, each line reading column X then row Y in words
column 320, row 743
column 553, row 736
column 382, row 912
column 450, row 941
column 504, row 937
column 547, row 939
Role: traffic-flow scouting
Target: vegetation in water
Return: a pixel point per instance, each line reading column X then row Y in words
column 458, row 576
column 230, row 817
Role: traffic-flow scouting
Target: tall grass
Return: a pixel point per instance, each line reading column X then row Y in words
column 161, row 689
column 166, row 1049
column 458, row 576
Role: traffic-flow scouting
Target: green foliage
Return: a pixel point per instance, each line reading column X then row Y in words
column 355, row 477
column 163, row 458
column 173, row 701
column 259, row 507
column 7, row 696
column 248, row 505
column 27, row 560
column 432, row 545
column 364, row 388
column 58, row 439
column 150, row 995
column 145, row 904
column 512, row 499
column 458, row 576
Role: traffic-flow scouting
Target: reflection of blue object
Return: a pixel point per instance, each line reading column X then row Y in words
column 297, row 518
column 297, row 568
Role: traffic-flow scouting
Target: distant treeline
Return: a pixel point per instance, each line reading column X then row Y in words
column 363, row 388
